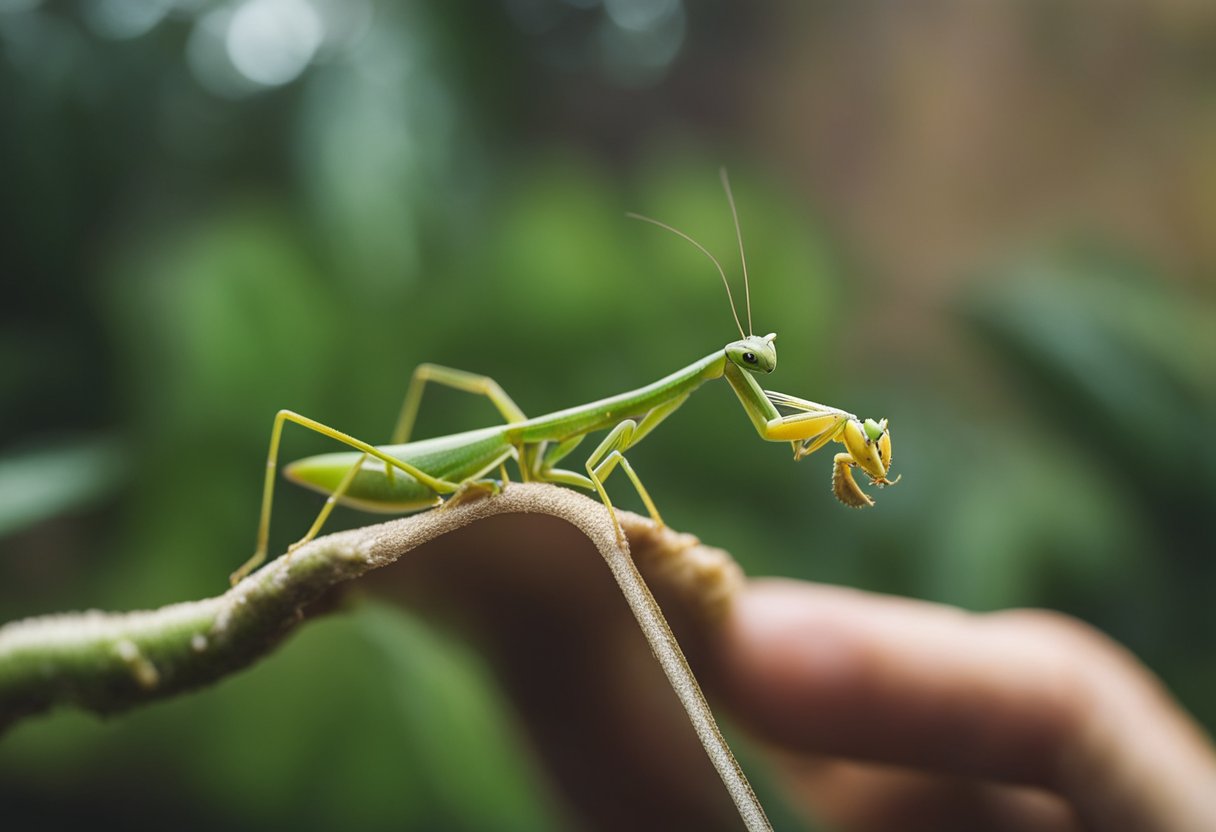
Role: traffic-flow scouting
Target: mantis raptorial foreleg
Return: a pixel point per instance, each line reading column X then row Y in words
column 868, row 443
column 808, row 432
column 844, row 486
column 439, row 486
column 458, row 380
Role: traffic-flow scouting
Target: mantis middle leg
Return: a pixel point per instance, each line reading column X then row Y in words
column 607, row 456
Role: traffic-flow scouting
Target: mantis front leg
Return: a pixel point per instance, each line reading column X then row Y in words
column 867, row 444
column 809, row 430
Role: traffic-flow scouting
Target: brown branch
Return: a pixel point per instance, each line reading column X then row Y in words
column 109, row 662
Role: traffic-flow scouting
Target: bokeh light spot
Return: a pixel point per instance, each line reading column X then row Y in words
column 124, row 19
column 639, row 41
column 271, row 42
column 641, row 15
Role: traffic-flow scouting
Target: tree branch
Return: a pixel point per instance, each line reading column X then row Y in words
column 109, row 662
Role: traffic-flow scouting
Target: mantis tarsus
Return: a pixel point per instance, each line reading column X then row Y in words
column 407, row 476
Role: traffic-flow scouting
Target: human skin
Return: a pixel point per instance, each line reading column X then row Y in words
column 891, row 714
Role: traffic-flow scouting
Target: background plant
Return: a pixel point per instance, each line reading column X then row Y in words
column 992, row 226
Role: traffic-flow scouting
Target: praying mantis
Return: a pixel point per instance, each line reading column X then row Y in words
column 407, row 475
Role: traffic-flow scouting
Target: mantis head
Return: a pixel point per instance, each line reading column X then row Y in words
column 869, row 448
column 754, row 353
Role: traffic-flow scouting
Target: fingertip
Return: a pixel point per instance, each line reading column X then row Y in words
column 1020, row 697
column 787, row 645
column 838, row 671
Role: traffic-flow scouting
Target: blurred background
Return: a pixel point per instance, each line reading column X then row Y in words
column 993, row 224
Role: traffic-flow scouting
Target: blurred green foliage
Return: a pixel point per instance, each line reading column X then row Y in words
column 182, row 258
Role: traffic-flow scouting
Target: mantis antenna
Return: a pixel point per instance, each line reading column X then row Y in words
column 747, row 291
column 704, row 251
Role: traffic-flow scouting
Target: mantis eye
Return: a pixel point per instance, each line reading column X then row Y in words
column 749, row 357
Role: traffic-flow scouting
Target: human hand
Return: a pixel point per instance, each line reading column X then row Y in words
column 894, row 714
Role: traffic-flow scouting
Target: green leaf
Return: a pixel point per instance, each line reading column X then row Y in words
column 38, row 484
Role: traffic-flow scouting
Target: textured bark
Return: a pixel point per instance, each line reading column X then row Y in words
column 109, row 662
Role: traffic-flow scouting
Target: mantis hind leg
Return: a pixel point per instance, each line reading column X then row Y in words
column 457, row 380
column 330, row 501
column 439, row 486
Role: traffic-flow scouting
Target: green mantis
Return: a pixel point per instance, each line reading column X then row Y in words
column 410, row 475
